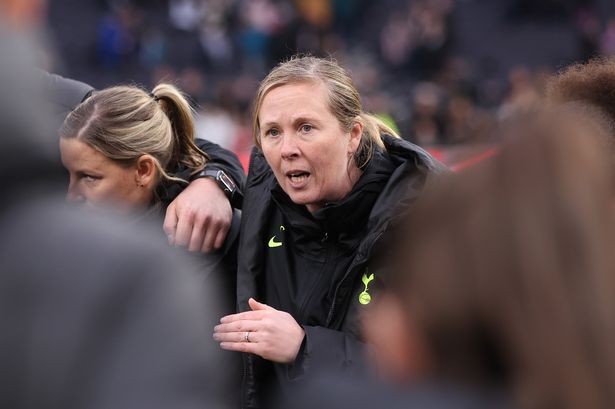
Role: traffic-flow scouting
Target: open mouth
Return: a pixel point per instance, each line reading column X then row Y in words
column 297, row 177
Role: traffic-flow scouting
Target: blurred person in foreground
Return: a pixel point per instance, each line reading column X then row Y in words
column 587, row 87
column 90, row 316
column 503, row 280
column 501, row 290
column 323, row 186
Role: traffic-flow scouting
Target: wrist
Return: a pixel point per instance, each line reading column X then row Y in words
column 224, row 182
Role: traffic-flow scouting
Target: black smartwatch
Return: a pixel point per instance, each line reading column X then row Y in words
column 225, row 182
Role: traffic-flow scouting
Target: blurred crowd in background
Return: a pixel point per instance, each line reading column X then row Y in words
column 443, row 72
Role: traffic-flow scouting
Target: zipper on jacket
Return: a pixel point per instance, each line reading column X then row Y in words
column 244, row 380
column 321, row 274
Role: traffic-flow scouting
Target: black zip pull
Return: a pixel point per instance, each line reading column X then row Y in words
column 325, row 237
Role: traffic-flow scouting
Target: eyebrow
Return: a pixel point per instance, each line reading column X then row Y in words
column 85, row 172
column 296, row 120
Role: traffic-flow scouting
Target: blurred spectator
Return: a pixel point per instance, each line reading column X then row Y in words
column 588, row 28
column 426, row 119
column 218, row 125
column 118, row 35
column 186, row 14
column 522, row 95
column 607, row 40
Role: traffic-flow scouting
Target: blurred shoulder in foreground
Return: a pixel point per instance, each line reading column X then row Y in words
column 91, row 315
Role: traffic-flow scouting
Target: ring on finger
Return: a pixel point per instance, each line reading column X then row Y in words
column 246, row 336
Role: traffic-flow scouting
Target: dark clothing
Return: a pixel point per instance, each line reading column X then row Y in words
column 332, row 391
column 321, row 273
column 219, row 159
column 300, row 279
column 64, row 95
column 93, row 316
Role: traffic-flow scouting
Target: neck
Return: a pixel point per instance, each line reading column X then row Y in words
column 354, row 173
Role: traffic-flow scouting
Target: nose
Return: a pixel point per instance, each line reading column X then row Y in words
column 290, row 148
column 74, row 194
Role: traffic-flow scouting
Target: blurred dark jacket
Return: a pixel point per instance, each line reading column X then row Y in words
column 332, row 391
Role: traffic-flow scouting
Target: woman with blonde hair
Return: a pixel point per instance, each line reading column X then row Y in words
column 140, row 138
column 324, row 183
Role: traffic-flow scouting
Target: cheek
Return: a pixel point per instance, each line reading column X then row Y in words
column 112, row 188
column 267, row 153
column 272, row 159
column 95, row 193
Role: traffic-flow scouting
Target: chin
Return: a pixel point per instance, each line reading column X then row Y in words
column 310, row 203
column 299, row 199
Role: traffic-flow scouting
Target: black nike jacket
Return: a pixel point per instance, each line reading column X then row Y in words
column 319, row 267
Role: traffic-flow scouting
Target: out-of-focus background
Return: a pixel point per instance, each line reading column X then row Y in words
column 444, row 72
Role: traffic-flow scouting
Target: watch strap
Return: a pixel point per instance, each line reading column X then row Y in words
column 225, row 182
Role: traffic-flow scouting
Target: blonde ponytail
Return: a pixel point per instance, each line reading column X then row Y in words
column 125, row 122
column 180, row 114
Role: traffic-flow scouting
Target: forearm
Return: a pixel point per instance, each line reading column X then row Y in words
column 223, row 159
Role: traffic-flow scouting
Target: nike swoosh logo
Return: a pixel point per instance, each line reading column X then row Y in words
column 273, row 243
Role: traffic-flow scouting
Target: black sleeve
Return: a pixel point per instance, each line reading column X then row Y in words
column 219, row 158
column 325, row 348
column 62, row 95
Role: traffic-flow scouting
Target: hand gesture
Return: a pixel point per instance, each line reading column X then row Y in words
column 264, row 331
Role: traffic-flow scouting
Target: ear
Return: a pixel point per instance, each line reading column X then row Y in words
column 146, row 174
column 355, row 136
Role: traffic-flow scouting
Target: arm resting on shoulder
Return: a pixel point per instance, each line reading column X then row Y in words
column 200, row 216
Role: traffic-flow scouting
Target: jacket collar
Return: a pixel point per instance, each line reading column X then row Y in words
column 346, row 216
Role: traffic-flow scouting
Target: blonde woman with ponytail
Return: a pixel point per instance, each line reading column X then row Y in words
column 135, row 150
column 324, row 182
column 140, row 138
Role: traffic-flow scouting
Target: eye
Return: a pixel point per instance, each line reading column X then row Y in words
column 272, row 133
column 87, row 178
column 305, row 128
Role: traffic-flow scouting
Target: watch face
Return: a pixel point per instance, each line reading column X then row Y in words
column 227, row 181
